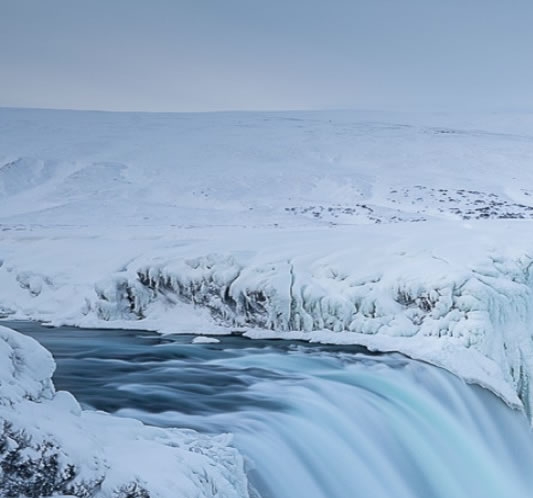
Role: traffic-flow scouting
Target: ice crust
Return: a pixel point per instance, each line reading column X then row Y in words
column 49, row 445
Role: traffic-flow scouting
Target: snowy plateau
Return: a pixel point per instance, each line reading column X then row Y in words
column 394, row 231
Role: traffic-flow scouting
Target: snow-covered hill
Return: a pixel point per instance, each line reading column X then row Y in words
column 396, row 231
column 60, row 167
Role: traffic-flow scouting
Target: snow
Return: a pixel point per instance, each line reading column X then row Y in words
column 48, row 443
column 404, row 232
column 202, row 339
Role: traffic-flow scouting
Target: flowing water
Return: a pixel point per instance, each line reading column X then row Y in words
column 312, row 421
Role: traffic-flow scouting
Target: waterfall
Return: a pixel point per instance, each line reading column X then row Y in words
column 314, row 422
column 334, row 426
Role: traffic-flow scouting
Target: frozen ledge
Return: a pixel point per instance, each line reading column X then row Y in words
column 468, row 309
column 460, row 297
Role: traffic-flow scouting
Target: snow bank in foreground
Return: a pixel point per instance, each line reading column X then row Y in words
column 49, row 446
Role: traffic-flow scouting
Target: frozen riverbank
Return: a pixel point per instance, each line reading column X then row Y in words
column 50, row 446
column 451, row 295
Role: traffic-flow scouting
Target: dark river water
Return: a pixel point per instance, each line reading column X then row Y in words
column 311, row 421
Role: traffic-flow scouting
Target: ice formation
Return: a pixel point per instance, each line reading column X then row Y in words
column 469, row 315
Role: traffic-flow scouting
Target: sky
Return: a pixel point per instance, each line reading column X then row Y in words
column 212, row 55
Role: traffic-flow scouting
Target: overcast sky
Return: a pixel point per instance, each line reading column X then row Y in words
column 199, row 55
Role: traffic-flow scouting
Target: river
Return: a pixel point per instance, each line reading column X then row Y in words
column 311, row 421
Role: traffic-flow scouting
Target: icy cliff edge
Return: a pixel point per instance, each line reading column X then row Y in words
column 457, row 295
column 461, row 302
